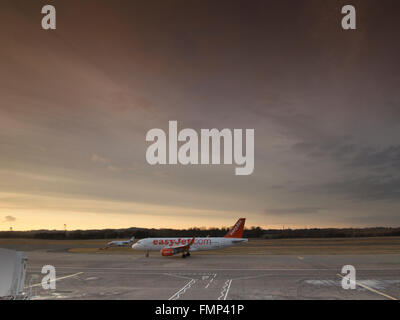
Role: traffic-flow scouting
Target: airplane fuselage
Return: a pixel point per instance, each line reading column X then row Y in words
column 118, row 244
column 121, row 243
column 199, row 244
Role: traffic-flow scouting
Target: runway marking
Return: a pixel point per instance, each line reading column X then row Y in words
column 221, row 269
column 56, row 279
column 370, row 289
column 132, row 273
column 253, row 277
column 172, row 275
column 181, row 291
column 225, row 289
column 196, row 274
column 212, row 279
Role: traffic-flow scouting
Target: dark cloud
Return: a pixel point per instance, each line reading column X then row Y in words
column 385, row 219
column 388, row 158
column 351, row 154
column 9, row 219
column 367, row 188
column 77, row 103
column 294, row 211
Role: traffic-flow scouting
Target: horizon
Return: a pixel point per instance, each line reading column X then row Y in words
column 207, row 228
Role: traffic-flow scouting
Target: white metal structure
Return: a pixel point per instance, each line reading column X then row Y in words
column 12, row 273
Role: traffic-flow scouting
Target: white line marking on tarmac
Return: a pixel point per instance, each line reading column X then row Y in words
column 225, row 289
column 370, row 289
column 133, row 273
column 253, row 277
column 56, row 279
column 221, row 269
column 212, row 279
column 172, row 275
column 181, row 291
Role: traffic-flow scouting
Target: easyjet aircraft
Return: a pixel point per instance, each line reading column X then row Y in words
column 171, row 246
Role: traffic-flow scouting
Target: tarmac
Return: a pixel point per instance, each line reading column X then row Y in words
column 213, row 277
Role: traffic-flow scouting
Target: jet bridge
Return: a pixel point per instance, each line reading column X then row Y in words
column 13, row 265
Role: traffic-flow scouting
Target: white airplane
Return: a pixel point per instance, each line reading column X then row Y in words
column 121, row 243
column 172, row 246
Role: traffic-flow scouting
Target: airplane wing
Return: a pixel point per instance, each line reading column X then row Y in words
column 171, row 250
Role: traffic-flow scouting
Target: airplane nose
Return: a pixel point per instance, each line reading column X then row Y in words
column 137, row 246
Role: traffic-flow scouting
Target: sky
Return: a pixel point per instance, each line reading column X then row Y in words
column 76, row 104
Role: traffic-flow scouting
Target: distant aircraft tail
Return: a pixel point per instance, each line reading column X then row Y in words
column 237, row 230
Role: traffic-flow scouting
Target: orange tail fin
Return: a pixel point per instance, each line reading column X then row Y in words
column 237, row 230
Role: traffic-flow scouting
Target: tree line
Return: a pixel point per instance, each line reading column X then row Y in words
column 254, row 232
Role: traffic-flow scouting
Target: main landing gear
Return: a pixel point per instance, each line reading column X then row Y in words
column 184, row 255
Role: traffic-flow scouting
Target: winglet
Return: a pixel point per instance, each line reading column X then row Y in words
column 237, row 230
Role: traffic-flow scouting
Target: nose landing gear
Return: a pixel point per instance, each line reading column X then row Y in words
column 184, row 255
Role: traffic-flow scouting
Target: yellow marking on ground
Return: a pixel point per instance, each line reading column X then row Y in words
column 371, row 289
column 56, row 279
